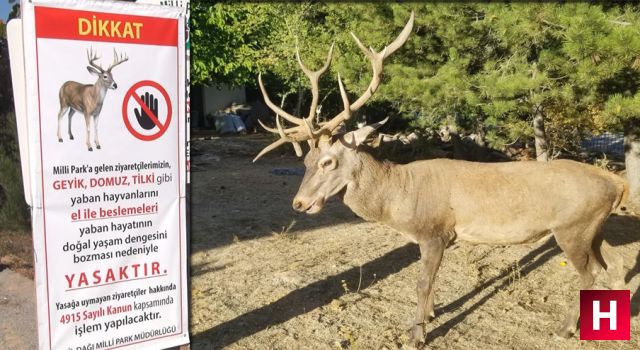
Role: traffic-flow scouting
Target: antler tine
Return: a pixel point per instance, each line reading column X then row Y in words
column 314, row 77
column 269, row 148
column 269, row 129
column 92, row 57
column 283, row 136
column 344, row 115
column 368, row 52
column 275, row 108
column 280, row 130
column 402, row 37
column 118, row 59
column 294, row 130
column 292, row 135
column 345, row 99
column 376, row 59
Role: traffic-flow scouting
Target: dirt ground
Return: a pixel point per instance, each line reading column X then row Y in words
column 17, row 311
column 16, row 252
column 17, row 293
column 265, row 277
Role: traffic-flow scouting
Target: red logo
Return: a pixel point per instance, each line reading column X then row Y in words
column 605, row 314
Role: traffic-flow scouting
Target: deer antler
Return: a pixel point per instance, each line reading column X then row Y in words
column 117, row 59
column 304, row 130
column 314, row 78
column 92, row 57
column 304, row 127
column 376, row 59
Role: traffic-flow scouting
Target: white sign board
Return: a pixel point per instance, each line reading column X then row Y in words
column 105, row 100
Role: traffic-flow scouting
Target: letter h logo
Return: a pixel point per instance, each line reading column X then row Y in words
column 605, row 315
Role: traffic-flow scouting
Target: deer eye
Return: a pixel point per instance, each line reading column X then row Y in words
column 327, row 164
column 104, row 76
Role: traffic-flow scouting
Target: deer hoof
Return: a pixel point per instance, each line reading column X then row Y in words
column 431, row 315
column 70, row 137
column 408, row 347
column 416, row 336
column 90, row 149
column 59, row 140
column 98, row 146
column 563, row 333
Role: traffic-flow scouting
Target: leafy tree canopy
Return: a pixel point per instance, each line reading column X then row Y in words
column 482, row 65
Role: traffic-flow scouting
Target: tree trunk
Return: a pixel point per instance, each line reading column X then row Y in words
column 284, row 97
column 632, row 161
column 299, row 102
column 481, row 135
column 542, row 147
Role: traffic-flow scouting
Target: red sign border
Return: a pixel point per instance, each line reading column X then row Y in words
column 125, row 113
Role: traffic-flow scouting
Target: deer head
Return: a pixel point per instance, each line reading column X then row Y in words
column 105, row 78
column 332, row 161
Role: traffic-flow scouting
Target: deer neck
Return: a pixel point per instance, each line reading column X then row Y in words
column 373, row 188
column 99, row 90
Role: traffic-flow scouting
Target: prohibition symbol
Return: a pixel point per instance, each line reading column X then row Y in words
column 158, row 124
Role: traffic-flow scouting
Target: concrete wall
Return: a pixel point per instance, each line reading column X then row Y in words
column 215, row 99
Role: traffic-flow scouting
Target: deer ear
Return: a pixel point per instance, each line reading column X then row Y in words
column 93, row 70
column 355, row 138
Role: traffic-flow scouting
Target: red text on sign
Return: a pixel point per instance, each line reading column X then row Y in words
column 111, row 275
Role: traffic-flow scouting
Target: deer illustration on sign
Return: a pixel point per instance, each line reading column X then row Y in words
column 86, row 98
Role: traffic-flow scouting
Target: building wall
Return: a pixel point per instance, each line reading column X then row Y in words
column 215, row 99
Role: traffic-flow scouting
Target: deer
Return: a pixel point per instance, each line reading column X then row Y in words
column 437, row 202
column 86, row 98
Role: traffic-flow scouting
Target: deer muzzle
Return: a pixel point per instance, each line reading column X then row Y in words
column 309, row 206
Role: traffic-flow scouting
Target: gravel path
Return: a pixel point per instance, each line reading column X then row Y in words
column 17, row 312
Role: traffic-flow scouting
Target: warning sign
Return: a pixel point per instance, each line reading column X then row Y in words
column 141, row 109
column 106, row 113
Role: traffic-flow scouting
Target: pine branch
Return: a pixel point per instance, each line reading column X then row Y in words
column 622, row 23
column 560, row 26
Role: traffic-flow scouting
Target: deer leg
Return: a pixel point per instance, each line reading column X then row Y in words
column 71, row 111
column 63, row 109
column 95, row 130
column 614, row 266
column 87, row 121
column 579, row 249
column 431, row 252
column 430, row 310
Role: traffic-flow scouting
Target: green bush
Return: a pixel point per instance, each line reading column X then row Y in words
column 14, row 213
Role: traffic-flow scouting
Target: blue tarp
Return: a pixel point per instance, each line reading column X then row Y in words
column 229, row 124
column 608, row 143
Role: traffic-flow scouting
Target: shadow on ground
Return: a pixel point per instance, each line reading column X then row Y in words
column 310, row 297
column 322, row 292
column 613, row 232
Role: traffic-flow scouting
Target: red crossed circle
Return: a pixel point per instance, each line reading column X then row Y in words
column 131, row 93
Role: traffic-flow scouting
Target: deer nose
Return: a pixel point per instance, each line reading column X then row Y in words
column 298, row 205
column 115, row 86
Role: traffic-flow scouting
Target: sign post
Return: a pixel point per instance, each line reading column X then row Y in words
column 105, row 91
